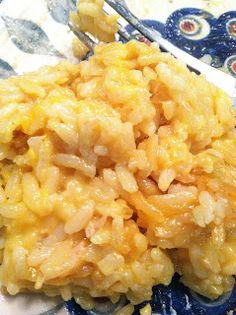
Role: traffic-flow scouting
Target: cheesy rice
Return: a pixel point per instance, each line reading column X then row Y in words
column 115, row 173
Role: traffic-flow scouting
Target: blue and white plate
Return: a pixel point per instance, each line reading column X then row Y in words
column 35, row 33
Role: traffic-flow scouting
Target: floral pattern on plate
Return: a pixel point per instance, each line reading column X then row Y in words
column 201, row 34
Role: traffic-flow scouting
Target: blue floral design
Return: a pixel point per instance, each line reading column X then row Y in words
column 230, row 64
column 175, row 299
column 6, row 70
column 178, row 299
column 221, row 39
column 187, row 41
column 29, row 37
column 59, row 10
column 223, row 43
column 208, row 36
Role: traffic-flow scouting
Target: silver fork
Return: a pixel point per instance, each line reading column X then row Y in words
column 217, row 77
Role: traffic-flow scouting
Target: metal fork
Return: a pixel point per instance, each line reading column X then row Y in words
column 217, row 77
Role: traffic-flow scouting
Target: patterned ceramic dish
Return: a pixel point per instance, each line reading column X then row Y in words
column 35, row 33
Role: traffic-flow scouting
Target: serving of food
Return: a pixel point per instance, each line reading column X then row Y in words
column 116, row 173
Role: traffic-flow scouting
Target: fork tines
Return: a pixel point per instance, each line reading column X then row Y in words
column 213, row 75
column 87, row 40
column 132, row 20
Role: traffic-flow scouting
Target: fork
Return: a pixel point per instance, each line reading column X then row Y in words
column 217, row 77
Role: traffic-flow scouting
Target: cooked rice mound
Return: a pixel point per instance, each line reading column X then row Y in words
column 116, row 173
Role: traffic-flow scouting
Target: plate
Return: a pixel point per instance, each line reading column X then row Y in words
column 35, row 33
